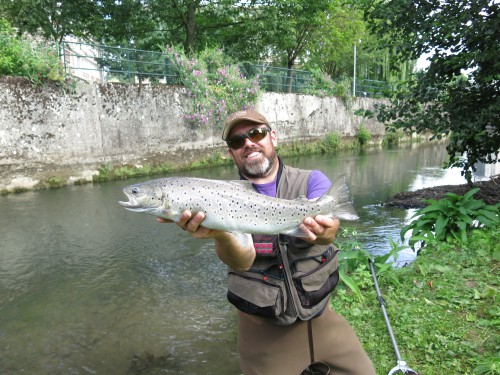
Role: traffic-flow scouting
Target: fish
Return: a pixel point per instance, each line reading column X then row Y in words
column 235, row 205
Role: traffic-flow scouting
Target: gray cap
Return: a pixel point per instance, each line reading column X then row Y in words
column 237, row 117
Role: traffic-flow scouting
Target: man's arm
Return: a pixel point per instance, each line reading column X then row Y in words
column 228, row 246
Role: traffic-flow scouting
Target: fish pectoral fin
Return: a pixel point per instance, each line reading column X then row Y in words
column 243, row 239
column 297, row 232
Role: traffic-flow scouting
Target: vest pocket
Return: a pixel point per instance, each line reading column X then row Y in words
column 313, row 286
column 260, row 295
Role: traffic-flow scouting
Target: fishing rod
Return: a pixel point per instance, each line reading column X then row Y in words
column 401, row 365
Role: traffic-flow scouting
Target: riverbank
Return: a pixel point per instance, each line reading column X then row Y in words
column 45, row 177
column 50, row 137
column 489, row 192
column 443, row 309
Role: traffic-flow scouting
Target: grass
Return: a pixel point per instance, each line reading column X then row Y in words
column 330, row 143
column 443, row 310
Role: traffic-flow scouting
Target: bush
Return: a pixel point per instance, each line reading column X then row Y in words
column 363, row 135
column 36, row 61
column 322, row 85
column 331, row 142
column 450, row 218
column 216, row 86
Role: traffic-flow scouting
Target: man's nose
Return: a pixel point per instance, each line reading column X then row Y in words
column 248, row 142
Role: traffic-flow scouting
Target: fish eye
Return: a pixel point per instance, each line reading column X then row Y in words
column 135, row 191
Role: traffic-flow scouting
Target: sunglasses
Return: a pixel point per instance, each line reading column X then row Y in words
column 255, row 135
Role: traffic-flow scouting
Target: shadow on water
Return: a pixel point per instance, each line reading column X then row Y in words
column 87, row 287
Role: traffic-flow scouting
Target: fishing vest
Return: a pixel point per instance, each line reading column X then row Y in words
column 290, row 278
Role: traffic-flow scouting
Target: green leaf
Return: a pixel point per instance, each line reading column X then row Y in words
column 440, row 225
column 470, row 193
column 473, row 205
column 493, row 216
column 351, row 284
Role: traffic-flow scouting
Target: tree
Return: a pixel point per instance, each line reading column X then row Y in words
column 194, row 24
column 54, row 19
column 332, row 51
column 289, row 27
column 458, row 95
column 125, row 23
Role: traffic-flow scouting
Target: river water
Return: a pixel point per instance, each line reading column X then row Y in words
column 87, row 287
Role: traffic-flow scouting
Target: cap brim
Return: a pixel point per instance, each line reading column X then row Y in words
column 231, row 124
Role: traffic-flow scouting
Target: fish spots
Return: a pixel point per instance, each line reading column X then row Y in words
column 228, row 205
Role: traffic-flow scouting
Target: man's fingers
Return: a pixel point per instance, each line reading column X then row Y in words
column 325, row 221
column 194, row 223
column 314, row 225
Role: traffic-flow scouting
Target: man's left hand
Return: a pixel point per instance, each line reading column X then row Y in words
column 320, row 230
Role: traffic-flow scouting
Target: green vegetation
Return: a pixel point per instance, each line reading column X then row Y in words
column 214, row 84
column 363, row 135
column 392, row 137
column 109, row 172
column 55, row 182
column 353, row 267
column 329, row 144
column 457, row 95
column 215, row 159
column 35, row 61
column 443, row 307
column 450, row 218
column 317, row 36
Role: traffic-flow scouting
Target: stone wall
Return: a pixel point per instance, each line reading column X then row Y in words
column 49, row 132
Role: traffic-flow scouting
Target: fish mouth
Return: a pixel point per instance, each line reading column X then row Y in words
column 131, row 204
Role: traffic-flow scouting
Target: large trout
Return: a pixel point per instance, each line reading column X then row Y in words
column 235, row 206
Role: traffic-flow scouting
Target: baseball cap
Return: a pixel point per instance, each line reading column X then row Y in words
column 237, row 117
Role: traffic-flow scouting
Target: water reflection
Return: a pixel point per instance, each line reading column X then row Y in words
column 88, row 287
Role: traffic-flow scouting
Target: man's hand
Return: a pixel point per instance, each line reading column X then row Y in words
column 192, row 224
column 321, row 230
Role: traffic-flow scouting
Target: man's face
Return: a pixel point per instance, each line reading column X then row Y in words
column 255, row 159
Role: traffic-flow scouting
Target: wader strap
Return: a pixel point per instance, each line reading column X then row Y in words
column 311, row 342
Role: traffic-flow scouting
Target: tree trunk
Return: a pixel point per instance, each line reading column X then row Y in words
column 190, row 25
column 289, row 78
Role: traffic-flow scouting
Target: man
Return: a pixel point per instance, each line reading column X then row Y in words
column 281, row 285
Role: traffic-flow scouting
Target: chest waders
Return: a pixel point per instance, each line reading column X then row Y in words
column 290, row 278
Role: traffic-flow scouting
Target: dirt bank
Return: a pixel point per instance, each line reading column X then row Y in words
column 489, row 192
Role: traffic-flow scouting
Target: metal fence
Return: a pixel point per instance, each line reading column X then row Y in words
column 372, row 89
column 277, row 79
column 92, row 62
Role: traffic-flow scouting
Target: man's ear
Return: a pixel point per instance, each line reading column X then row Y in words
column 274, row 138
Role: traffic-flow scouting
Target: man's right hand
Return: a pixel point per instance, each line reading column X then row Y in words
column 192, row 224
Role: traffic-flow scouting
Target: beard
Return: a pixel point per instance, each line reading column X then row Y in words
column 258, row 168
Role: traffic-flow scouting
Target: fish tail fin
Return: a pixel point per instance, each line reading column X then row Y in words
column 337, row 203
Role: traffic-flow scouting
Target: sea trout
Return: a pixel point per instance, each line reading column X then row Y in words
column 234, row 205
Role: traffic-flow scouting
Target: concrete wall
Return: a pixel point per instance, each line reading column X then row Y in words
column 49, row 132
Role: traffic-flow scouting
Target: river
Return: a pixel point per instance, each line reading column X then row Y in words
column 87, row 287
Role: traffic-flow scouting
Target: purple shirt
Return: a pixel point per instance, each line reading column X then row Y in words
column 317, row 185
